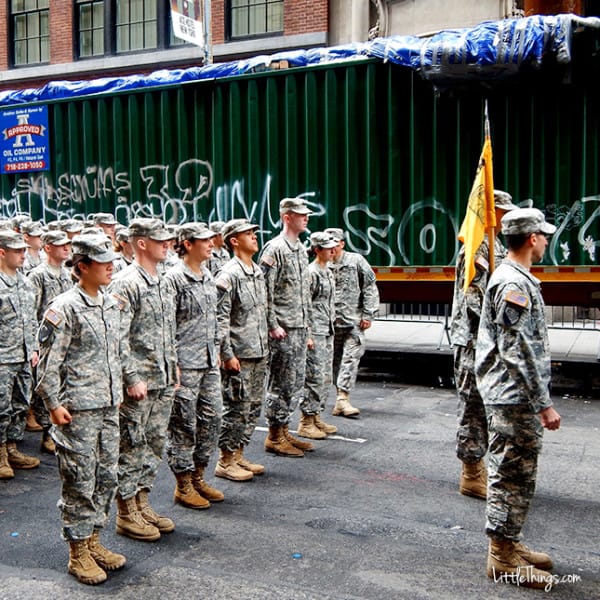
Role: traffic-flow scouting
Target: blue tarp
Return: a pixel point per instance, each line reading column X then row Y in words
column 491, row 50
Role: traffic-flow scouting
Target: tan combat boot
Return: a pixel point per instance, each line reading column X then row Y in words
column 17, row 460
column 206, row 491
column 304, row 446
column 30, row 423
column 504, row 565
column 82, row 565
column 277, row 443
column 105, row 559
column 308, row 429
column 47, row 444
column 541, row 560
column 254, row 468
column 6, row 471
column 163, row 524
column 473, row 480
column 130, row 522
column 228, row 468
column 186, row 494
column 342, row 407
column 326, row 427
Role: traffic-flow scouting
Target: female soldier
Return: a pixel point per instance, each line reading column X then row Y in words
column 319, row 357
column 196, row 414
column 80, row 381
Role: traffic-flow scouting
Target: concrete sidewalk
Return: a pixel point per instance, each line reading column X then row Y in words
column 420, row 352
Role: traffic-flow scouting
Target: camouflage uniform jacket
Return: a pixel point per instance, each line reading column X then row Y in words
column 322, row 292
column 220, row 256
column 17, row 319
column 356, row 293
column 196, row 317
column 31, row 261
column 512, row 357
column 148, row 327
column 466, row 307
column 80, row 362
column 48, row 285
column 285, row 265
column 242, row 311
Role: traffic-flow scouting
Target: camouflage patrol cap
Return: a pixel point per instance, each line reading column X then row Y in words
column 18, row 220
column 503, row 200
column 153, row 229
column 123, row 235
column 336, row 233
column 96, row 247
column 322, row 240
column 55, row 238
column 72, row 225
column 104, row 219
column 526, row 220
column 296, row 205
column 32, row 228
column 12, row 240
column 236, row 226
column 217, row 226
column 194, row 231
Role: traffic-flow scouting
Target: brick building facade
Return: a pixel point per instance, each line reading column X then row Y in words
column 76, row 27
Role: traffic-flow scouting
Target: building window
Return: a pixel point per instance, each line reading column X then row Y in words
column 31, row 38
column 136, row 25
column 255, row 17
column 90, row 21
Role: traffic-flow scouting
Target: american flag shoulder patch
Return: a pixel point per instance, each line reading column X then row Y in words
column 53, row 317
column 267, row 260
column 121, row 302
column 517, row 298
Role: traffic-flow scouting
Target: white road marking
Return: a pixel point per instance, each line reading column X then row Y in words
column 329, row 437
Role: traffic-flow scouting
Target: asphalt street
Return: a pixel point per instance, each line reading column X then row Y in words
column 373, row 514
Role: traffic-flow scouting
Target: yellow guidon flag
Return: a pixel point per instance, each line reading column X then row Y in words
column 480, row 216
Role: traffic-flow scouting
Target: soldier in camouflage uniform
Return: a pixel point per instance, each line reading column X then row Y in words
column 18, row 352
column 49, row 279
column 149, row 377
column 196, row 414
column 285, row 264
column 472, row 436
column 512, row 367
column 356, row 304
column 34, row 256
column 319, row 356
column 107, row 223
column 242, row 315
column 80, row 382
column 220, row 254
column 125, row 249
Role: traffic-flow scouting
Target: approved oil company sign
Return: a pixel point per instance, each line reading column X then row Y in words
column 24, row 140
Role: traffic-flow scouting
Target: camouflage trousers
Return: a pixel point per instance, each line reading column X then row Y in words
column 143, row 427
column 319, row 369
column 243, row 397
column 472, row 432
column 348, row 348
column 195, row 419
column 87, row 450
column 15, row 393
column 515, row 443
column 287, row 367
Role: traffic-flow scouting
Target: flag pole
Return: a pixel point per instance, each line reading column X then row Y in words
column 491, row 218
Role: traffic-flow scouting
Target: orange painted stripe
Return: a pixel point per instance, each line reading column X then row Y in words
column 544, row 273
